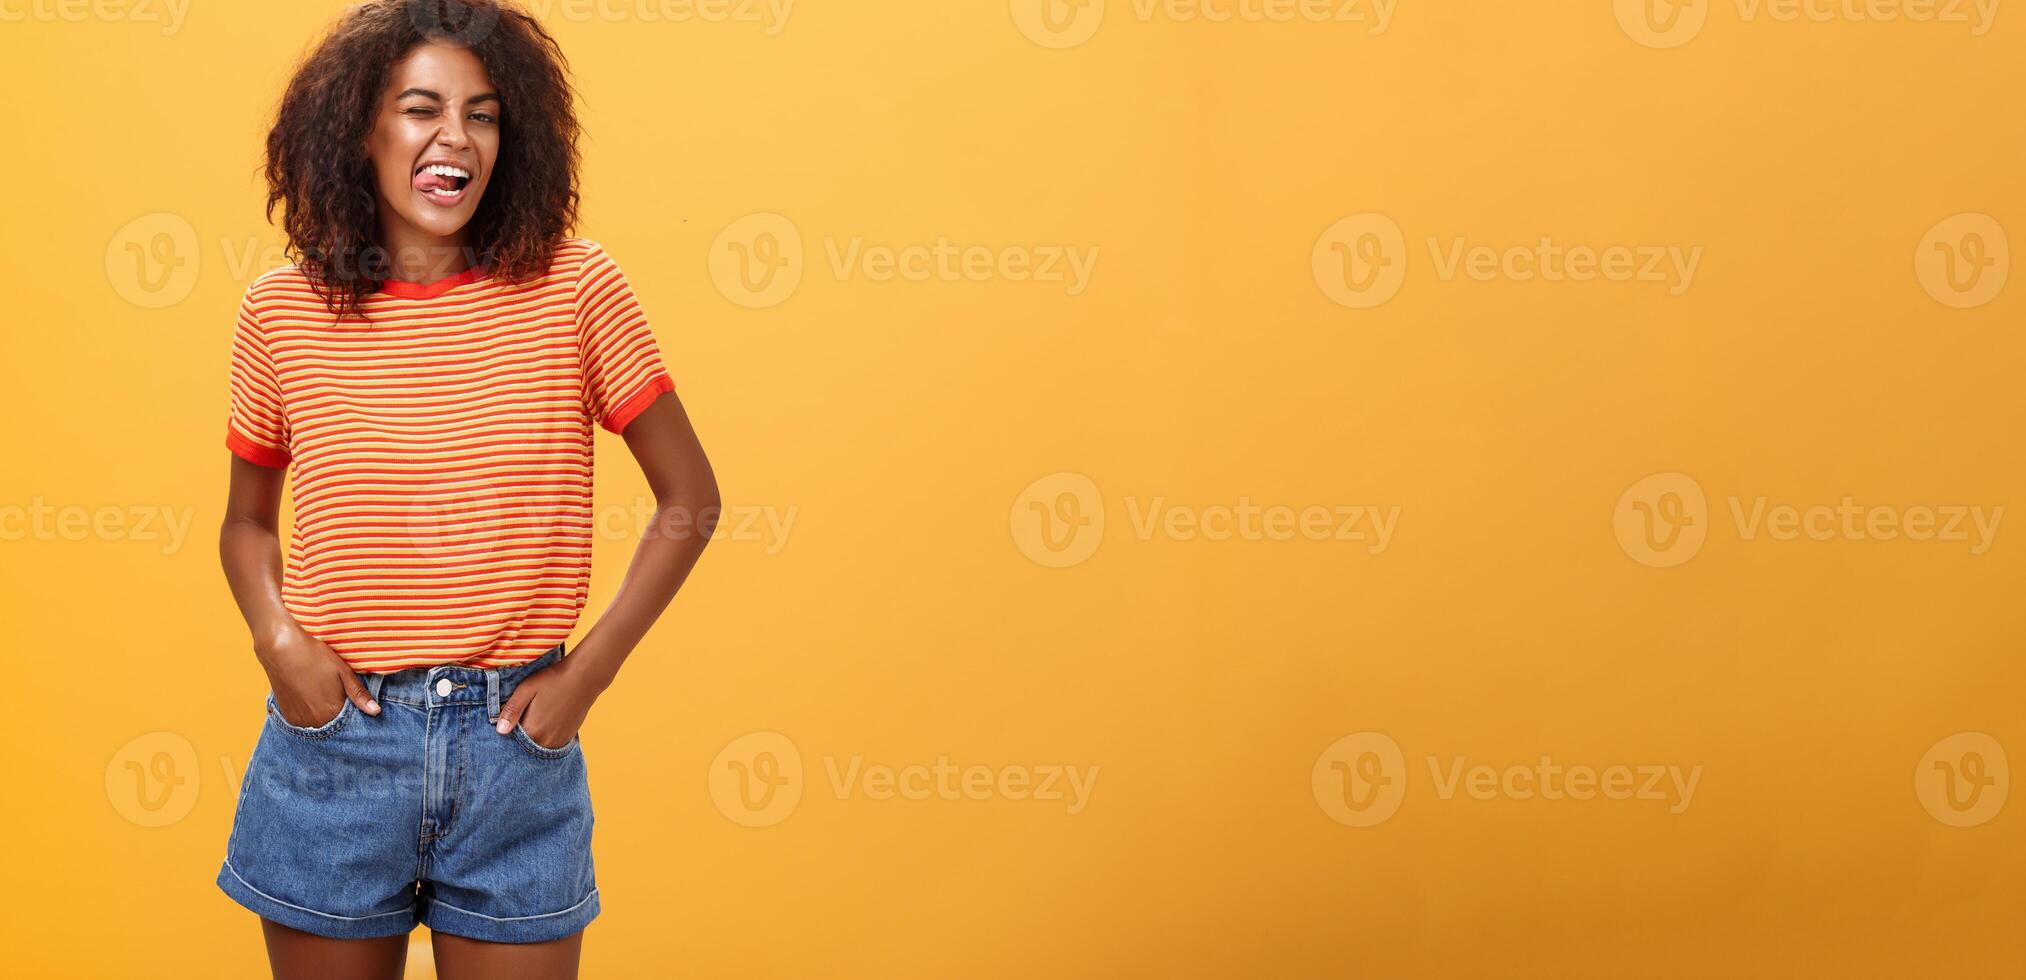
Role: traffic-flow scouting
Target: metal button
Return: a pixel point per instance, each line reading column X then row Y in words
column 443, row 687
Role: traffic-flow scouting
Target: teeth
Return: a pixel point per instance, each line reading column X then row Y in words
column 440, row 169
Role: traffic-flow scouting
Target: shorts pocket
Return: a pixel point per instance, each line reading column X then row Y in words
column 325, row 730
column 540, row 751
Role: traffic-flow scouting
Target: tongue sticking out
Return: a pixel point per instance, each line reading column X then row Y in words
column 435, row 182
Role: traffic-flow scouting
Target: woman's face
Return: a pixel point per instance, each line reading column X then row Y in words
column 439, row 110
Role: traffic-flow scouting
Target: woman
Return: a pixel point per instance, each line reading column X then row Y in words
column 429, row 373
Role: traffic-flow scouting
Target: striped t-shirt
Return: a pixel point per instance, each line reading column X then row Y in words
column 440, row 455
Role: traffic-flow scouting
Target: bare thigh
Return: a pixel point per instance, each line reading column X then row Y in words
column 296, row 955
column 458, row 958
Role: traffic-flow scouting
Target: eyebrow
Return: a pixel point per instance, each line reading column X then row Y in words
column 491, row 97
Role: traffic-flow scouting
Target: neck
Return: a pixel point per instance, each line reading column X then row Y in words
column 414, row 255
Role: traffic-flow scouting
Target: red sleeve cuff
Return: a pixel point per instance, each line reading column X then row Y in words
column 654, row 387
column 254, row 452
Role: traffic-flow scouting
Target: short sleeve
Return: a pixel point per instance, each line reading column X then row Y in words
column 623, row 373
column 256, row 428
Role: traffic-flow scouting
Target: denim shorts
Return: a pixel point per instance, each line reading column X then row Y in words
column 367, row 825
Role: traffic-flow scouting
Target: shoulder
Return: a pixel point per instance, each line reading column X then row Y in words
column 275, row 289
column 283, row 278
column 593, row 274
column 579, row 257
column 286, row 274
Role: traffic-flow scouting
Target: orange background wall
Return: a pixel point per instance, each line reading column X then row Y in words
column 1447, row 408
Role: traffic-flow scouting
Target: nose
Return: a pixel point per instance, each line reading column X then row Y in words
column 452, row 134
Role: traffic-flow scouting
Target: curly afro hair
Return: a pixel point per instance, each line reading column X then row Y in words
column 317, row 167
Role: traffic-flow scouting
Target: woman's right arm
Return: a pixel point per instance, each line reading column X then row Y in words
column 309, row 679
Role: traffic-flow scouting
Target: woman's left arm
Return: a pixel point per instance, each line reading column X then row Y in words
column 685, row 514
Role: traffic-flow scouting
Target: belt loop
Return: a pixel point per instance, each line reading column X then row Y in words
column 492, row 694
column 373, row 682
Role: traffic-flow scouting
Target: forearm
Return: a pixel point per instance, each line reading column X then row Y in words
column 251, row 556
column 669, row 548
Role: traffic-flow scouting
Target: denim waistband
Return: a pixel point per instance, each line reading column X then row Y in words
column 452, row 684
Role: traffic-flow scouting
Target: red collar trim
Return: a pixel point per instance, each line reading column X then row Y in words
column 425, row 290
